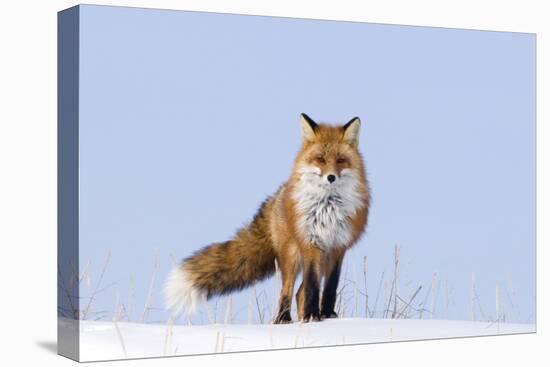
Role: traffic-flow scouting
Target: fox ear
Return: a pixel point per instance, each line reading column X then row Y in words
column 351, row 131
column 308, row 127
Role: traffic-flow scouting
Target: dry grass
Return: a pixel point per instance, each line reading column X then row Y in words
column 87, row 309
column 400, row 299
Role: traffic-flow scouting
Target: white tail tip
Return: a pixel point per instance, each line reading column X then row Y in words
column 180, row 295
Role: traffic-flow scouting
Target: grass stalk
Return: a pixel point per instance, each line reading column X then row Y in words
column 169, row 335
column 228, row 310
column 149, row 300
column 116, row 317
column 365, row 286
column 472, row 297
column 497, row 305
column 434, row 294
column 250, row 312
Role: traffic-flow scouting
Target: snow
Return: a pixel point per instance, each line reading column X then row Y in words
column 100, row 340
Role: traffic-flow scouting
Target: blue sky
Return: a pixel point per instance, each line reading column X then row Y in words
column 189, row 120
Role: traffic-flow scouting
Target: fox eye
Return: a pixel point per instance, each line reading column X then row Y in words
column 319, row 159
column 341, row 160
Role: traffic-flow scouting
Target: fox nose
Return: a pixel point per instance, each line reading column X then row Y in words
column 331, row 178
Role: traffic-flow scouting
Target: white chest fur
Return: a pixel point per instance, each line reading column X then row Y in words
column 325, row 209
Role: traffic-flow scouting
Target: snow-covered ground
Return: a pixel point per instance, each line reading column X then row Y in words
column 101, row 340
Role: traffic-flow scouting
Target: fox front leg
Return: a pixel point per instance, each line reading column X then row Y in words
column 331, row 273
column 308, row 294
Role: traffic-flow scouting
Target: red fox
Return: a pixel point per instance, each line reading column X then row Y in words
column 307, row 226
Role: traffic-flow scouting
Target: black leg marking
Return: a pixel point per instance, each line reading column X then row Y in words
column 329, row 293
column 311, row 288
column 283, row 317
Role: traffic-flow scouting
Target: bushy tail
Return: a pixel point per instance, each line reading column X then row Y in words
column 222, row 267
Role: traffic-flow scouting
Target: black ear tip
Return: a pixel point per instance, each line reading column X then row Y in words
column 309, row 120
column 356, row 118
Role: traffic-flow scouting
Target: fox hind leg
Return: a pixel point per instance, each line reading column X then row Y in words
column 300, row 301
column 289, row 270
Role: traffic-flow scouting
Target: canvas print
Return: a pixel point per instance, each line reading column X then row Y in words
column 233, row 183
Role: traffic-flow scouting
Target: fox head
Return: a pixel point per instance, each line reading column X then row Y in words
column 329, row 156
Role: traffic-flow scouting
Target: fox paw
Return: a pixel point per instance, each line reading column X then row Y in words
column 311, row 317
column 283, row 318
column 328, row 315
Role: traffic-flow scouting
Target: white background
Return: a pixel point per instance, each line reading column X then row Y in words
column 28, row 180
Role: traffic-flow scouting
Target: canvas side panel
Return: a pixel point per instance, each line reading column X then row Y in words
column 67, row 182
